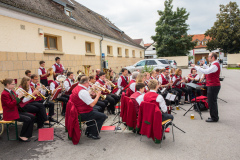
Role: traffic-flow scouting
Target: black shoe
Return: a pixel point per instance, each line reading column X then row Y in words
column 164, row 137
column 209, row 117
column 86, row 133
column 210, row 120
column 51, row 119
column 47, row 124
column 93, row 137
column 63, row 114
column 28, row 140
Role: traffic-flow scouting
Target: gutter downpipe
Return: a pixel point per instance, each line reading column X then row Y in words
column 101, row 59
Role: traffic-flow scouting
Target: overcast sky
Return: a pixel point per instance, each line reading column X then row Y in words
column 137, row 18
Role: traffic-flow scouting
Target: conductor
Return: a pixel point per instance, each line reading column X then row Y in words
column 212, row 73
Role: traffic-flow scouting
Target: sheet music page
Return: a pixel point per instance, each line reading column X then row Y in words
column 172, row 98
column 168, row 96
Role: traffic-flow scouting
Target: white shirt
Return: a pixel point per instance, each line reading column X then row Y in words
column 66, row 84
column 54, row 68
column 8, row 90
column 139, row 99
column 133, row 86
column 208, row 70
column 161, row 101
column 85, row 96
column 160, row 78
column 107, row 86
column 52, row 86
column 40, row 72
column 42, row 91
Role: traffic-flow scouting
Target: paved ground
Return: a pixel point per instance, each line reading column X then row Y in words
column 205, row 141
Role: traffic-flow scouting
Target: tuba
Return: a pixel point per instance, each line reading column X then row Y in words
column 106, row 71
column 79, row 72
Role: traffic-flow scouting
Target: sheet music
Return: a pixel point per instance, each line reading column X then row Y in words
column 172, row 98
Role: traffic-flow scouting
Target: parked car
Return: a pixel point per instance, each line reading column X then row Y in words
column 173, row 63
column 224, row 62
column 156, row 63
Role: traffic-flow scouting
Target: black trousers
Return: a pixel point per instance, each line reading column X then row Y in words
column 212, row 95
column 39, row 109
column 113, row 100
column 166, row 116
column 179, row 94
column 44, row 82
column 191, row 91
column 102, row 105
column 28, row 121
column 64, row 98
column 98, row 116
column 49, row 105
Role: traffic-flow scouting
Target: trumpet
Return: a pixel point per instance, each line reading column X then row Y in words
column 113, row 85
column 39, row 94
column 24, row 92
column 107, row 90
column 102, row 96
column 45, row 88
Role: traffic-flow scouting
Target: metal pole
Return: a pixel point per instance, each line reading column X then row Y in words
column 101, row 59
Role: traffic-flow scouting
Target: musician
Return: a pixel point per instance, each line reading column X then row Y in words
column 147, row 77
column 153, row 74
column 131, row 86
column 164, row 79
column 69, row 81
column 29, row 105
column 84, row 105
column 43, row 74
column 97, row 73
column 157, row 99
column 10, row 101
column 36, row 86
column 101, row 103
column 57, row 67
column 158, row 73
column 141, row 78
column 111, row 98
column 56, row 85
column 28, row 73
column 172, row 73
column 138, row 95
column 123, row 79
column 193, row 77
column 212, row 83
column 179, row 87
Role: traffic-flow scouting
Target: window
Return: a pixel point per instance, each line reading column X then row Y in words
column 89, row 47
column 151, row 62
column 109, row 50
column 204, row 43
column 163, row 61
column 50, row 42
column 119, row 50
column 133, row 53
column 140, row 54
column 126, row 53
column 68, row 13
column 141, row 63
column 154, row 48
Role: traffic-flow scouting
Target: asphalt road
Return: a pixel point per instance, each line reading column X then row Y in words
column 202, row 141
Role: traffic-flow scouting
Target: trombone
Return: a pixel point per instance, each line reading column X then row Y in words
column 25, row 94
column 45, row 88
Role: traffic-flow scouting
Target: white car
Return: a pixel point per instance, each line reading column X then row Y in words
column 173, row 63
column 155, row 63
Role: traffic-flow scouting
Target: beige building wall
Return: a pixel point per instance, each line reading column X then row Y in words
column 233, row 60
column 22, row 49
column 182, row 61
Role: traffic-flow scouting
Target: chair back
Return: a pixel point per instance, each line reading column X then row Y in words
column 131, row 114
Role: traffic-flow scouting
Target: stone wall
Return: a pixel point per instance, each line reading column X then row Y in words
column 14, row 64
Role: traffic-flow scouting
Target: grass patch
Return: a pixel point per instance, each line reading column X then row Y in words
column 233, row 68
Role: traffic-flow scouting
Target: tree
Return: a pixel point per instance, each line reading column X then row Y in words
column 171, row 32
column 225, row 33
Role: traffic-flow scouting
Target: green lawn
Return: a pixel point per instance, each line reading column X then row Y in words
column 233, row 68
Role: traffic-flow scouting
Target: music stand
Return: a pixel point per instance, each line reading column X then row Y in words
column 195, row 86
column 54, row 98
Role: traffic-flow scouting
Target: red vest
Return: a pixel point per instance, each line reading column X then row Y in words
column 124, row 82
column 9, row 105
column 190, row 75
column 81, row 106
column 132, row 81
column 179, row 84
column 56, row 84
column 38, row 97
column 58, row 69
column 43, row 72
column 135, row 95
column 212, row 79
column 69, row 82
column 164, row 80
column 151, row 97
column 97, row 77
